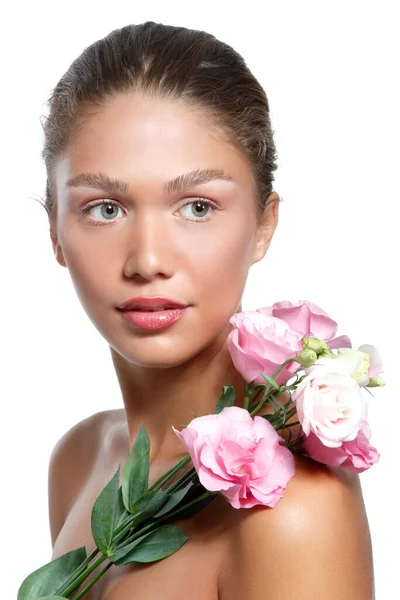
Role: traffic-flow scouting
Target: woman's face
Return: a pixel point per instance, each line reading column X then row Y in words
column 150, row 239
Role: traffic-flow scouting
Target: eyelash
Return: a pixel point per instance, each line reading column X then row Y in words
column 87, row 208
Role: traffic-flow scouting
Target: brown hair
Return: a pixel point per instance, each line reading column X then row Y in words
column 167, row 61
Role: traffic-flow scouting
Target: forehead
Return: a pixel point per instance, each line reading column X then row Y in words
column 134, row 137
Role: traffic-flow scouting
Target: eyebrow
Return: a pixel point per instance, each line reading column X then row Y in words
column 182, row 182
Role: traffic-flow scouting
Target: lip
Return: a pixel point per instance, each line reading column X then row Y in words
column 153, row 320
column 150, row 303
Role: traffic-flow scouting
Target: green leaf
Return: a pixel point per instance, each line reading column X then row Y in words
column 122, row 551
column 195, row 507
column 148, row 505
column 271, row 381
column 156, row 545
column 106, row 513
column 227, row 398
column 121, row 511
column 48, row 578
column 282, row 407
column 173, row 500
column 136, row 473
column 52, row 597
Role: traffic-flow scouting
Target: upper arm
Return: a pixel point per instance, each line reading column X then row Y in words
column 69, row 461
column 315, row 543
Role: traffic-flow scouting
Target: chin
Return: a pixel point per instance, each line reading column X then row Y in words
column 154, row 358
column 159, row 352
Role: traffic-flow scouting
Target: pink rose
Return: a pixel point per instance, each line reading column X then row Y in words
column 239, row 456
column 330, row 403
column 309, row 320
column 263, row 339
column 355, row 456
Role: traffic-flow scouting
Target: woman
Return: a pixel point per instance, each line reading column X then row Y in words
column 160, row 157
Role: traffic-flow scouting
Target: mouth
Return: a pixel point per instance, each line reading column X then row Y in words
column 146, row 309
column 150, row 304
column 151, row 309
column 153, row 318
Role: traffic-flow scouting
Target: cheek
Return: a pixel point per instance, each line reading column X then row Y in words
column 219, row 269
column 92, row 267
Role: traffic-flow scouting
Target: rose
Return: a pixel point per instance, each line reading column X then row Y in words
column 309, row 320
column 260, row 344
column 364, row 364
column 355, row 456
column 239, row 456
column 263, row 339
column 330, row 403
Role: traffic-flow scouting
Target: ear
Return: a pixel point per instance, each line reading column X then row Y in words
column 266, row 227
column 57, row 248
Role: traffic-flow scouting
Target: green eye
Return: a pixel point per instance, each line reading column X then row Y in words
column 106, row 211
column 199, row 208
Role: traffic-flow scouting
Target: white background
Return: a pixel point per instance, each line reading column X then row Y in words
column 331, row 71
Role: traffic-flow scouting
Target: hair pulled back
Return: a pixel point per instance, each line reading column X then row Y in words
column 172, row 62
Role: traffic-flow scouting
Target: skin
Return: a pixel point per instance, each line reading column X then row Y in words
column 318, row 532
column 152, row 246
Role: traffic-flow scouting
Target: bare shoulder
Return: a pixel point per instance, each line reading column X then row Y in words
column 314, row 543
column 84, row 436
column 69, row 464
column 79, row 437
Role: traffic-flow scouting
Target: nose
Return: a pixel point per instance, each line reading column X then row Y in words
column 149, row 247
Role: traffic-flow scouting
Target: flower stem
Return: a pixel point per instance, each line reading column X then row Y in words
column 183, row 479
column 156, row 522
column 167, row 476
column 264, row 398
column 91, row 583
column 77, row 572
column 254, row 399
column 185, row 506
column 285, row 426
column 128, row 522
column 289, row 415
column 119, row 533
column 84, row 575
column 247, row 395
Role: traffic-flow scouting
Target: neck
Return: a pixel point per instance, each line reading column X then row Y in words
column 161, row 397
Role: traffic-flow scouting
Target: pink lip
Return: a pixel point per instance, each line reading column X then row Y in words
column 153, row 320
column 151, row 303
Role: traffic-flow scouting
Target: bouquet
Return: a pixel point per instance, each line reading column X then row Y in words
column 286, row 349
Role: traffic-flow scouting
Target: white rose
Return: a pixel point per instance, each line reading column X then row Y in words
column 363, row 364
column 330, row 403
column 357, row 363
